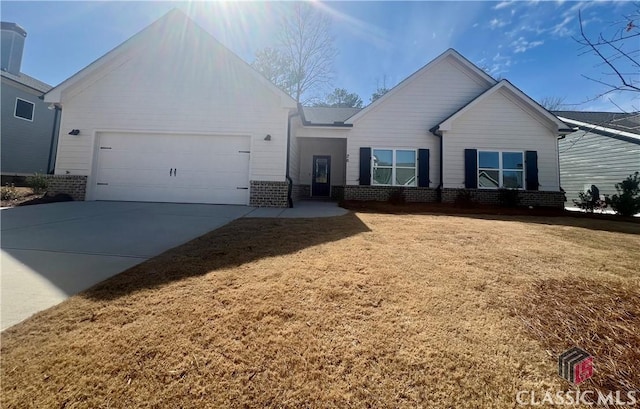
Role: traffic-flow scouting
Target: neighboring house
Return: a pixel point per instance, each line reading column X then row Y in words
column 27, row 130
column 180, row 118
column 604, row 150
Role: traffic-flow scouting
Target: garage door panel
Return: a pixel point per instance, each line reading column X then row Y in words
column 140, row 167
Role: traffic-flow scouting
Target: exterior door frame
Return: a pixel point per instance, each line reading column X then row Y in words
column 320, row 189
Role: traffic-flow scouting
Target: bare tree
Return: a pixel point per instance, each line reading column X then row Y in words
column 618, row 48
column 275, row 66
column 552, row 103
column 302, row 63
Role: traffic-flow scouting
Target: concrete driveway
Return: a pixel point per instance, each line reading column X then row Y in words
column 52, row 251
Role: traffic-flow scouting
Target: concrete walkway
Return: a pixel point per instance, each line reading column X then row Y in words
column 52, row 251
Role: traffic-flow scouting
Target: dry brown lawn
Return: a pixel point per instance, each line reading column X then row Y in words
column 364, row 310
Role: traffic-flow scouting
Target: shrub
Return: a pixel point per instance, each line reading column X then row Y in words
column 464, row 198
column 9, row 192
column 627, row 201
column 396, row 197
column 508, row 197
column 590, row 200
column 38, row 183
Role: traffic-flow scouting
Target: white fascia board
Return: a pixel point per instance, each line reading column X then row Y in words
column 600, row 128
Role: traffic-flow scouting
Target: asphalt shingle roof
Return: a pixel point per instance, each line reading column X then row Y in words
column 328, row 115
column 28, row 81
column 614, row 120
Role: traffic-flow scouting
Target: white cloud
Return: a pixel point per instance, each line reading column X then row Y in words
column 561, row 29
column 521, row 45
column 502, row 5
column 500, row 65
column 497, row 23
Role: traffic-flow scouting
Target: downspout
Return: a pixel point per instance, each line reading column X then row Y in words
column 436, row 131
column 287, row 176
column 54, row 141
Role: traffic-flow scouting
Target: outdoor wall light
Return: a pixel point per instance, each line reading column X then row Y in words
column 267, row 138
column 74, row 132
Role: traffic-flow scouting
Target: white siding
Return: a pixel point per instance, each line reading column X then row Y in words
column 404, row 119
column 500, row 123
column 166, row 85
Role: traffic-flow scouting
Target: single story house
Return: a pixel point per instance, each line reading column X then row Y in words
column 604, row 150
column 28, row 129
column 171, row 115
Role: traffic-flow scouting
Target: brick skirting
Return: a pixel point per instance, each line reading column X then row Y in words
column 268, row 194
column 73, row 185
column 301, row 192
column 384, row 193
column 537, row 198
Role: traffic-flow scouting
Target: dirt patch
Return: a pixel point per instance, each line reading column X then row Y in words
column 478, row 209
column 26, row 197
column 363, row 310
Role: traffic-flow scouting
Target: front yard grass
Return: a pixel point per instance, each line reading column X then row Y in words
column 363, row 310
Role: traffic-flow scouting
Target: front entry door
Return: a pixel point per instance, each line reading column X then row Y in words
column 321, row 178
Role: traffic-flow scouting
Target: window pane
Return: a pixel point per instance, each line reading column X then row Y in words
column 382, row 176
column 488, row 178
column 489, row 160
column 406, row 159
column 512, row 179
column 512, row 160
column 382, row 157
column 406, row 177
column 24, row 109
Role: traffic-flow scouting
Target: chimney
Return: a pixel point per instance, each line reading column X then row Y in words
column 12, row 45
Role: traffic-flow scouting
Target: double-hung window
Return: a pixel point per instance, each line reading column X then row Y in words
column 394, row 167
column 500, row 170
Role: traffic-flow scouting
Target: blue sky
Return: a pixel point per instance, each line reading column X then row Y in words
column 529, row 43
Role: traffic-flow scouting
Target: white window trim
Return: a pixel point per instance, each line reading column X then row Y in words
column 501, row 169
column 394, row 167
column 33, row 110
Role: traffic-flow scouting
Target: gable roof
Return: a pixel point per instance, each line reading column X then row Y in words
column 450, row 53
column 27, row 81
column 326, row 116
column 626, row 122
column 622, row 126
column 174, row 18
column 536, row 108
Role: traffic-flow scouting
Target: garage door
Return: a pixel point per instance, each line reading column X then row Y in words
column 172, row 168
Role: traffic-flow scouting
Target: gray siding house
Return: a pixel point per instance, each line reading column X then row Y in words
column 603, row 151
column 27, row 131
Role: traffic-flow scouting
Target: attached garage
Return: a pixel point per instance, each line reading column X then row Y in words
column 168, row 167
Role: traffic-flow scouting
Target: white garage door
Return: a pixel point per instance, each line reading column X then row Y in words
column 172, row 168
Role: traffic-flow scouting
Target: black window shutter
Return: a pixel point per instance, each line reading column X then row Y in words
column 471, row 168
column 531, row 168
column 365, row 166
column 423, row 167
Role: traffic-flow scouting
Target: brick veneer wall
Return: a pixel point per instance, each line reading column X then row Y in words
column 536, row 198
column 73, row 185
column 301, row 192
column 383, row 193
column 268, row 194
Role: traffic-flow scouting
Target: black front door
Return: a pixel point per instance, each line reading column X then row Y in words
column 321, row 178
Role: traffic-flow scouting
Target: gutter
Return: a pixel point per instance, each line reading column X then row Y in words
column 436, row 131
column 287, row 175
